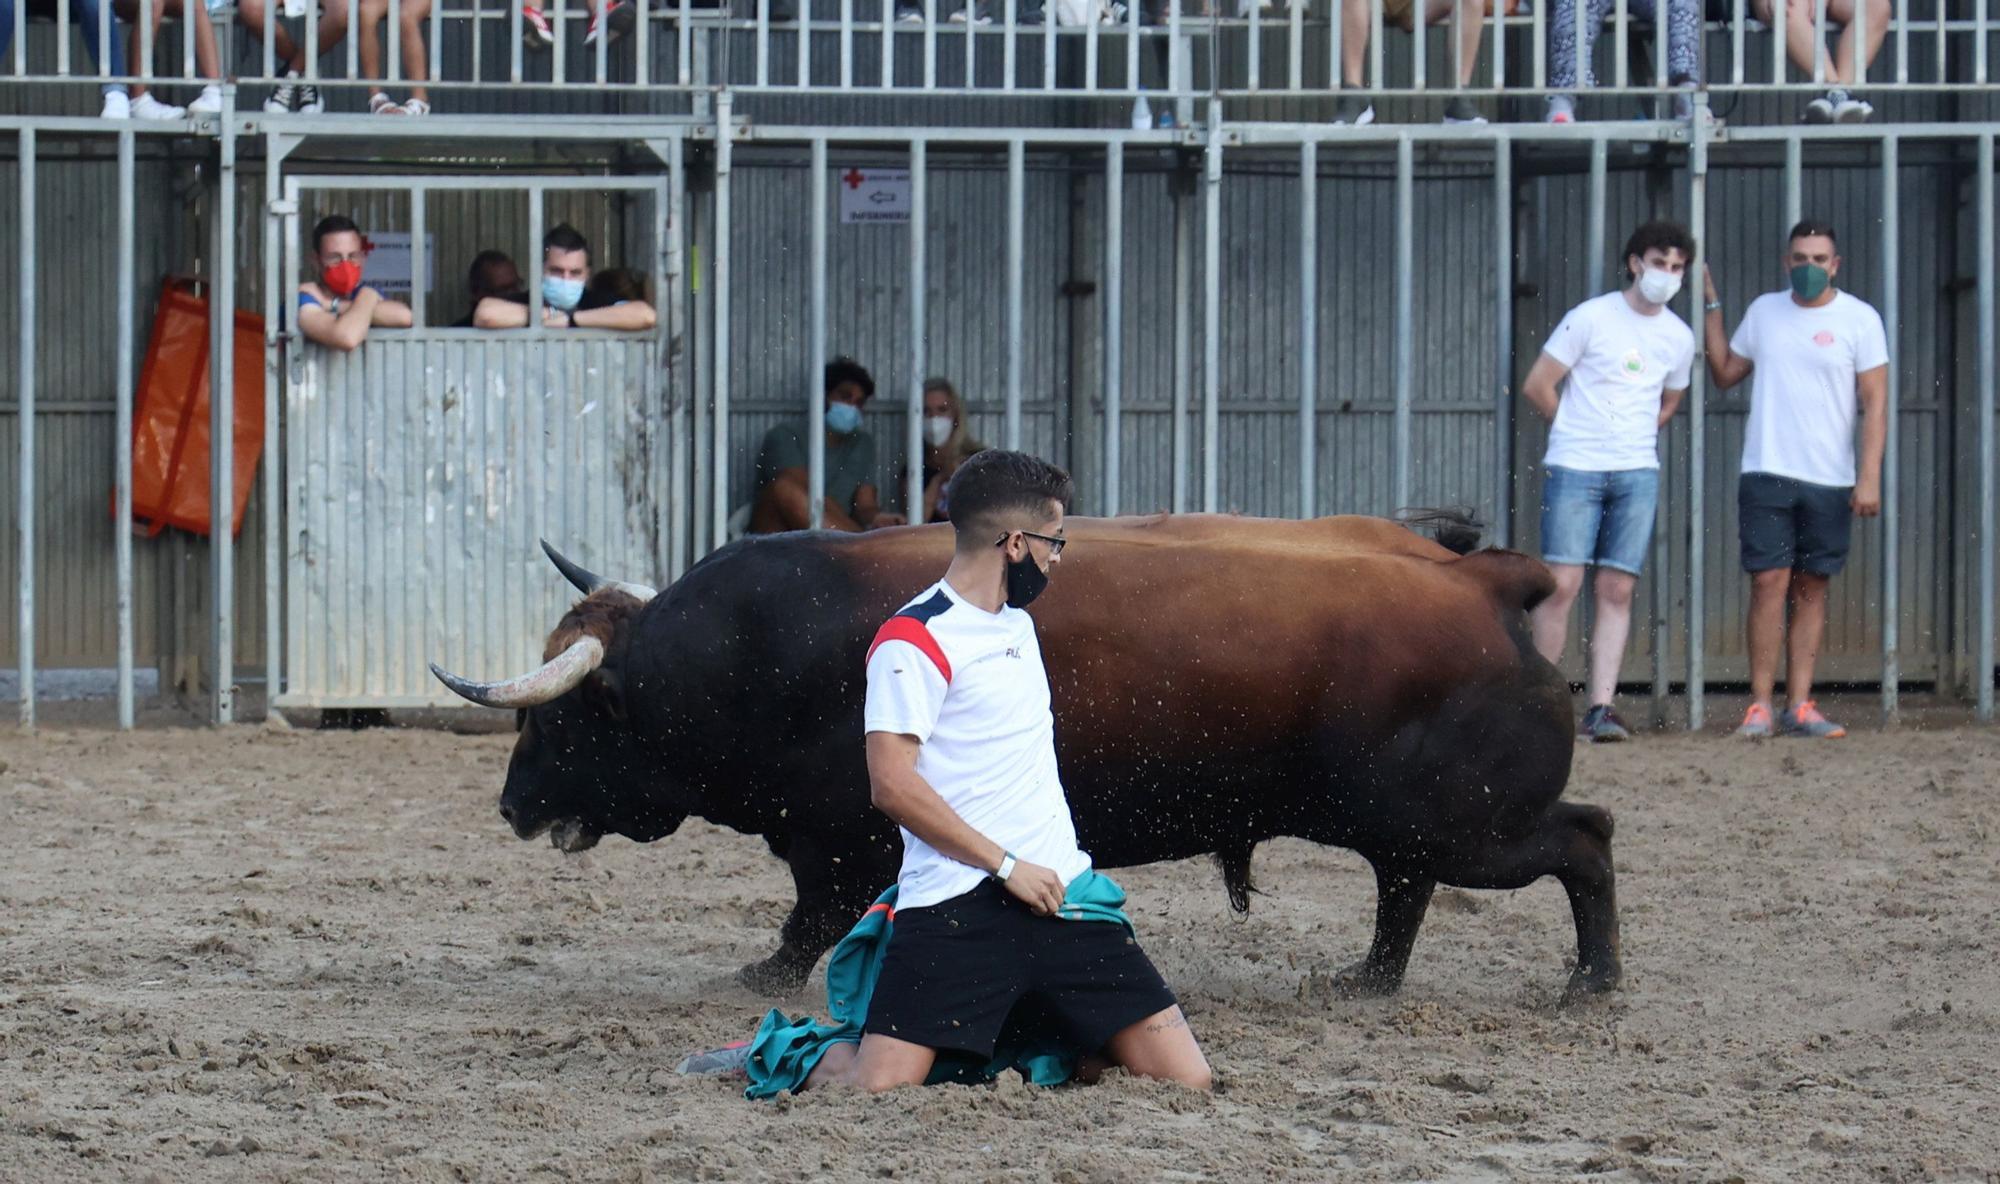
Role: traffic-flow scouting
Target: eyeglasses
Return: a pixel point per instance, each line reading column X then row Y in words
column 1056, row 542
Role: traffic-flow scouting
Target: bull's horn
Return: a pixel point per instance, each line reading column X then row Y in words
column 556, row 677
column 588, row 581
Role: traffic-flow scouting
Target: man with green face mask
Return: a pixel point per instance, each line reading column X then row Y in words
column 1818, row 355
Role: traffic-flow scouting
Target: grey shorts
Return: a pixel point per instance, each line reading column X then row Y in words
column 1787, row 523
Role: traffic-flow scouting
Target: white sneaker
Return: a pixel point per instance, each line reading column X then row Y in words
column 1852, row 110
column 209, row 102
column 148, row 107
column 117, row 105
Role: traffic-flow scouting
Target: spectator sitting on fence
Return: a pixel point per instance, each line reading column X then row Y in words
column 1355, row 22
column 410, row 15
column 492, row 274
column 1566, row 57
column 292, row 96
column 783, row 489
column 208, row 62
column 567, row 301
column 117, row 98
column 339, row 309
column 1802, row 41
column 948, row 443
column 540, row 33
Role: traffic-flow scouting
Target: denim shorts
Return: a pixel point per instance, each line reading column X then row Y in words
column 1601, row 518
column 1783, row 522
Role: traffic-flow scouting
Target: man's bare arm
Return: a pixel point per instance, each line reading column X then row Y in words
column 899, row 791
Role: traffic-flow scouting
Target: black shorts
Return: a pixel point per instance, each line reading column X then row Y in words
column 956, row 971
column 1786, row 523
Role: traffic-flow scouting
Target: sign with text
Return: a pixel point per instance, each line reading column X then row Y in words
column 874, row 195
column 388, row 269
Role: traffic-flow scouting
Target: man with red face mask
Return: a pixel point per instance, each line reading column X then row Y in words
column 338, row 310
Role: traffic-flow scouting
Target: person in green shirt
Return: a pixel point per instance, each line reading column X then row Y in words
column 852, row 502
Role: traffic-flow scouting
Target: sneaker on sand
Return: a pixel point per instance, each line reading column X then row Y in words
column 1756, row 722
column 1354, row 110
column 1561, row 109
column 1804, row 719
column 535, row 28
column 1601, row 725
column 148, row 107
column 1461, row 110
column 117, row 105
column 731, row 1060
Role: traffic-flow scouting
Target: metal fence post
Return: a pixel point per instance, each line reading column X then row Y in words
column 720, row 360
column 1697, row 561
column 222, row 421
column 122, row 464
column 1892, row 666
column 1503, row 339
column 1211, row 313
column 1985, row 384
column 816, row 334
column 913, row 429
column 1016, row 202
column 1114, row 324
column 1308, row 328
column 24, row 509
column 1405, row 288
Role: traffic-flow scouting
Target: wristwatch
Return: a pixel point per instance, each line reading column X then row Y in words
column 1006, row 868
column 572, row 318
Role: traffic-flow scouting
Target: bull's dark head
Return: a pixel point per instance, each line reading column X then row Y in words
column 578, row 771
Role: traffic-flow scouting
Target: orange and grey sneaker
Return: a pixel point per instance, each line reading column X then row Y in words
column 1756, row 722
column 1804, row 719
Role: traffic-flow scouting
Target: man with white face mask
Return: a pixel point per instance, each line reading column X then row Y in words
column 1611, row 376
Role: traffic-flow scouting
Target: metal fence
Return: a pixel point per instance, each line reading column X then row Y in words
column 1275, row 319
column 1067, row 48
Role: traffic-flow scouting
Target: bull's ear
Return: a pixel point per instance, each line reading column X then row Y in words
column 606, row 688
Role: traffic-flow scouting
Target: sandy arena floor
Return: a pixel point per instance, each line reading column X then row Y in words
column 320, row 956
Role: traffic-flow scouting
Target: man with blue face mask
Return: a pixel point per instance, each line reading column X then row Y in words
column 567, row 302
column 1818, row 363
column 852, row 502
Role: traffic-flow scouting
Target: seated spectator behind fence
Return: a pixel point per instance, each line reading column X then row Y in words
column 615, row 285
column 1355, row 21
column 338, row 311
column 117, row 98
column 1566, row 57
column 410, row 15
column 207, row 61
column 1836, row 106
column 292, row 96
column 852, row 503
column 492, row 274
column 948, row 443
column 567, row 301
column 540, row 33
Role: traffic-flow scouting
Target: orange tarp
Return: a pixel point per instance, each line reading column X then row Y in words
column 170, row 418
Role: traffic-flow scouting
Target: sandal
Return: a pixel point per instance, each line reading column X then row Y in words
column 416, row 106
column 380, row 104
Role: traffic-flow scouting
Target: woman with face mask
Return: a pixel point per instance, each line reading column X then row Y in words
column 948, row 443
column 338, row 309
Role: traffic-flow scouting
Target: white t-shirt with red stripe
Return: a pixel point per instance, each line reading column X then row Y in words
column 970, row 686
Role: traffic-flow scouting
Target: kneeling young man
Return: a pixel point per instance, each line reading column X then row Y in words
column 961, row 753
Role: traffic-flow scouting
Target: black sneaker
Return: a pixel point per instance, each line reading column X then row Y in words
column 1354, row 110
column 1461, row 110
column 1601, row 725
column 309, row 101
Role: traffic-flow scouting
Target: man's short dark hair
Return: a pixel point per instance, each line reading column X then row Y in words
column 1813, row 228
column 845, row 369
column 332, row 224
column 564, row 237
column 1664, row 236
column 993, row 491
column 479, row 277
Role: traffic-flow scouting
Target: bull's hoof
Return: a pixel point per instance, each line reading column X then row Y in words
column 775, row 975
column 1590, row 982
column 1365, row 980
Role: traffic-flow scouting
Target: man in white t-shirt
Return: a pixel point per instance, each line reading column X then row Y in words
column 961, row 753
column 1813, row 353
column 1610, row 377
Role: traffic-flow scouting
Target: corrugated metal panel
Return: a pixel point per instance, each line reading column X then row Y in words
column 415, row 506
column 868, row 303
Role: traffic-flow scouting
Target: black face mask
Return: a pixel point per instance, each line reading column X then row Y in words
column 1025, row 581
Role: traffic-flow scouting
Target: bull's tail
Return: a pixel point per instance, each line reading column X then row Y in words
column 1516, row 580
column 1453, row 528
